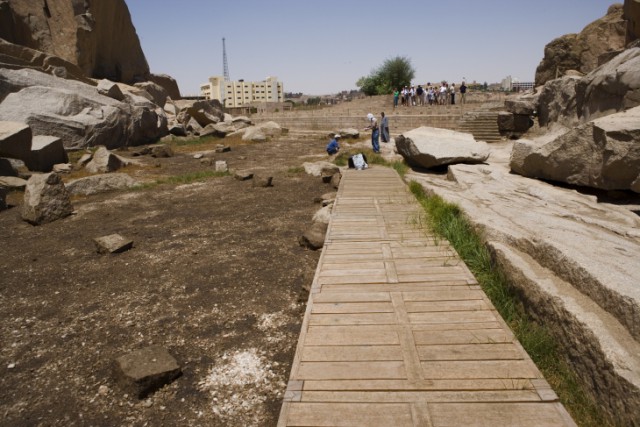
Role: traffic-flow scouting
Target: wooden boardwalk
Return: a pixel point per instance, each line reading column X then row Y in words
column 398, row 333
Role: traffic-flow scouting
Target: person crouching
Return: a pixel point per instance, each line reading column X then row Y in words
column 333, row 146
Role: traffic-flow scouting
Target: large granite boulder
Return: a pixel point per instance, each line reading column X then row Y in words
column 45, row 199
column 582, row 51
column 204, row 112
column 613, row 87
column 104, row 161
column 77, row 113
column 98, row 37
column 428, row 147
column 168, row 83
column 603, row 153
column 557, row 102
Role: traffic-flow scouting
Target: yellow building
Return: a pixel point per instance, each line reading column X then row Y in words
column 240, row 93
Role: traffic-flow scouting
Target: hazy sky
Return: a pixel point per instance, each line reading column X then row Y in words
column 323, row 47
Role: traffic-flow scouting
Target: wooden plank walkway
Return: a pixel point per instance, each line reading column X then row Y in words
column 398, row 333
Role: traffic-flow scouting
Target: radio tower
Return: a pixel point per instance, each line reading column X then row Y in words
column 224, row 61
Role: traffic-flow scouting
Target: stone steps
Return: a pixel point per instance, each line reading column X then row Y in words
column 483, row 125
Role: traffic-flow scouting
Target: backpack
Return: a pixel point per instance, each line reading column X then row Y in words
column 358, row 162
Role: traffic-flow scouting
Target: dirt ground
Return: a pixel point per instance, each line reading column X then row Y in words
column 215, row 276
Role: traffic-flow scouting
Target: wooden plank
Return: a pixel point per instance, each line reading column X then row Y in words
column 359, row 370
column 344, row 297
column 347, row 264
column 486, row 336
column 479, row 369
column 356, row 307
column 346, row 353
column 426, row 384
column 392, row 287
column 470, row 352
column 351, row 335
column 427, row 396
column 453, row 317
column 496, row 415
column 450, row 306
column 347, row 273
column 343, row 319
column 349, row 414
column 445, row 294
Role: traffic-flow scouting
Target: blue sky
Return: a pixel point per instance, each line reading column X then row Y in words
column 323, row 47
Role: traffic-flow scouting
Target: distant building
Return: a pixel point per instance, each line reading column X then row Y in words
column 510, row 84
column 235, row 94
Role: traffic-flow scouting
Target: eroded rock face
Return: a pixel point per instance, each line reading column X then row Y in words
column 428, row 147
column 581, row 51
column 97, row 36
column 603, row 153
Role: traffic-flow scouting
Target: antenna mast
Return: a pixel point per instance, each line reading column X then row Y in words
column 224, row 61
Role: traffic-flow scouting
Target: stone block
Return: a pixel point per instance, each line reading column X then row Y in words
column 15, row 140
column 112, row 244
column 146, row 370
column 46, row 151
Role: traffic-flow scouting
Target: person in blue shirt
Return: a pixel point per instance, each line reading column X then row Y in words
column 333, row 146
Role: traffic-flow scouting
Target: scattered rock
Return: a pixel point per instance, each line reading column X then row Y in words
column 198, row 156
column 315, row 169
column 177, row 129
column 144, row 371
column 323, row 215
column 222, row 166
column 100, row 183
column 328, row 172
column 326, row 197
column 346, row 133
column 335, row 180
column 13, row 182
column 62, row 168
column 104, row 161
column 45, row 199
column 429, row 147
column 110, row 89
column 161, row 151
column 6, row 168
column 3, row 197
column 222, row 148
column 262, row 181
column 313, row 238
column 243, row 175
column 112, row 244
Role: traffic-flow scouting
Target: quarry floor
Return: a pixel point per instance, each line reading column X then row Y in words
column 216, row 276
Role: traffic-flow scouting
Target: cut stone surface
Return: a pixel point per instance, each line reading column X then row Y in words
column 15, row 140
column 243, row 175
column 110, row 89
column 144, row 371
column 314, row 237
column 13, row 182
column 46, row 151
column 316, row 168
column 222, row 166
column 112, row 244
column 429, row 147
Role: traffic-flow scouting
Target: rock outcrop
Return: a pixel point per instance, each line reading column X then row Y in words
column 603, row 153
column 573, row 261
column 582, row 51
column 98, row 37
column 76, row 112
column 428, row 147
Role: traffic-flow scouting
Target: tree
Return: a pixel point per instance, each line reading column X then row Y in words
column 394, row 73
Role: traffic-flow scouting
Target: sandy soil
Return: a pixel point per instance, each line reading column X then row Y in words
column 215, row 276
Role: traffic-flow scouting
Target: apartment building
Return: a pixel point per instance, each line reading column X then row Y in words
column 234, row 94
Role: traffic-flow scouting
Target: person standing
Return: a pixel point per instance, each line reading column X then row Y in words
column 396, row 96
column 375, row 132
column 384, row 128
column 463, row 93
column 452, row 92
